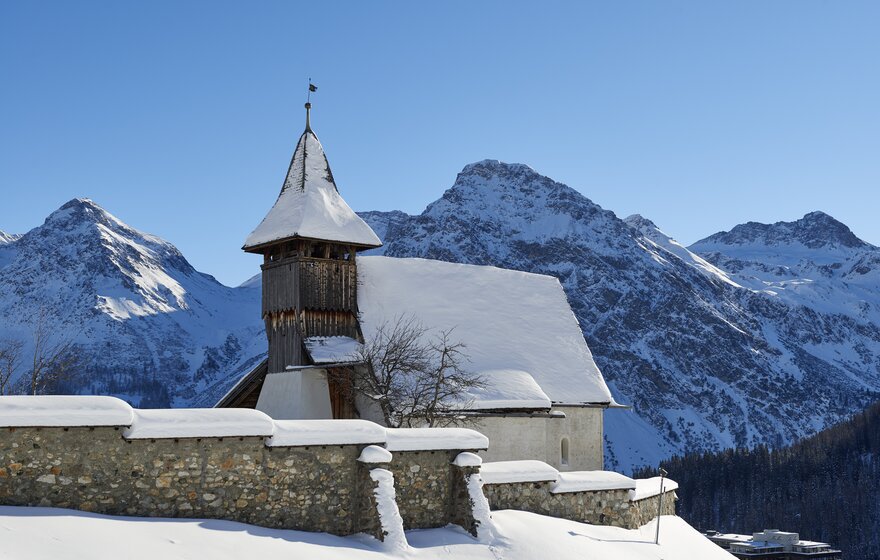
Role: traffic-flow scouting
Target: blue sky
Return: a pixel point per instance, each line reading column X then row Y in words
column 180, row 117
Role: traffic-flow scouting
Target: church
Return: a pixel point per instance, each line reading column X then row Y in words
column 541, row 394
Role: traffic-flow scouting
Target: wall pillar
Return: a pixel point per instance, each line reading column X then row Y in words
column 366, row 515
column 377, row 512
column 469, row 507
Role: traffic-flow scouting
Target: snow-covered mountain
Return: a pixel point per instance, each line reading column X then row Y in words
column 6, row 238
column 147, row 326
column 815, row 261
column 708, row 357
column 7, row 252
column 758, row 335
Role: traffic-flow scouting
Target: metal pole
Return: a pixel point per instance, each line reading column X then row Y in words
column 663, row 474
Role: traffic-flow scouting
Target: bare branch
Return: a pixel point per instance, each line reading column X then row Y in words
column 416, row 378
column 53, row 360
column 10, row 360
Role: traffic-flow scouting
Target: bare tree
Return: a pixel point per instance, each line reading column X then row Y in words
column 53, row 359
column 10, row 359
column 414, row 376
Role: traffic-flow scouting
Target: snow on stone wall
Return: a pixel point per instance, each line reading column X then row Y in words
column 596, row 497
column 98, row 454
column 233, row 478
column 94, row 411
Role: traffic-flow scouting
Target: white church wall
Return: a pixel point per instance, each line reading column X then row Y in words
column 583, row 429
column 368, row 409
column 513, row 437
column 296, row 395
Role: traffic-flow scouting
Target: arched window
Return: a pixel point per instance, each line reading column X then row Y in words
column 563, row 451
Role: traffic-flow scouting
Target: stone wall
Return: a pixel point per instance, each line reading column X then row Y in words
column 600, row 507
column 312, row 488
column 366, row 517
column 424, row 483
column 461, row 505
column 97, row 454
column 646, row 509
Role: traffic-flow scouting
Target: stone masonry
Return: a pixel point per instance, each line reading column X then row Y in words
column 311, row 488
column 424, row 484
column 306, row 487
column 602, row 507
column 462, row 507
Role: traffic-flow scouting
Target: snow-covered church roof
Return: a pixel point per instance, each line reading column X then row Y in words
column 509, row 321
column 309, row 205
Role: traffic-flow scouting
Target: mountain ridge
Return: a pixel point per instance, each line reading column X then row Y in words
column 151, row 328
column 707, row 361
column 814, row 230
column 6, row 238
column 712, row 349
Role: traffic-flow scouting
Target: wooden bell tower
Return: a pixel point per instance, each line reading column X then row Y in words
column 309, row 241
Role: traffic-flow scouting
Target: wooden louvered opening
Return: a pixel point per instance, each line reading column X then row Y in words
column 309, row 283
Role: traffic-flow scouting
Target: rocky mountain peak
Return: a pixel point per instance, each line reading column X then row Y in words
column 82, row 203
column 645, row 227
column 7, row 238
column 82, row 215
column 489, row 168
column 492, row 175
column 150, row 328
column 818, row 228
column 641, row 224
column 815, row 230
column 513, row 200
column 83, row 230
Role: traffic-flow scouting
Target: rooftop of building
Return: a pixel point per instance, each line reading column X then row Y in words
column 309, row 205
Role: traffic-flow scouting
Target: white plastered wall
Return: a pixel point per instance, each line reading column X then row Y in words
column 296, row 395
column 514, row 437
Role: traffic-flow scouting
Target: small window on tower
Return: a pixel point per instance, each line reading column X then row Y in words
column 563, row 451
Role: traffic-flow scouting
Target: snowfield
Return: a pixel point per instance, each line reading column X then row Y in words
column 47, row 533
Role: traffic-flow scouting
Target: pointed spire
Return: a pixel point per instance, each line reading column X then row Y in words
column 309, row 205
column 312, row 88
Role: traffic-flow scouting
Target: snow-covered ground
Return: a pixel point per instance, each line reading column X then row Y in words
column 50, row 534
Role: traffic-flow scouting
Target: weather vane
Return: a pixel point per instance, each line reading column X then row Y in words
column 312, row 89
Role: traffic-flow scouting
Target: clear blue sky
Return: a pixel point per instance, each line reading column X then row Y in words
column 180, row 117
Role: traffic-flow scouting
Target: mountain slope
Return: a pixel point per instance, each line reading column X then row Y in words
column 7, row 251
column 815, row 261
column 705, row 362
column 6, row 238
column 824, row 487
column 147, row 325
column 764, row 334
